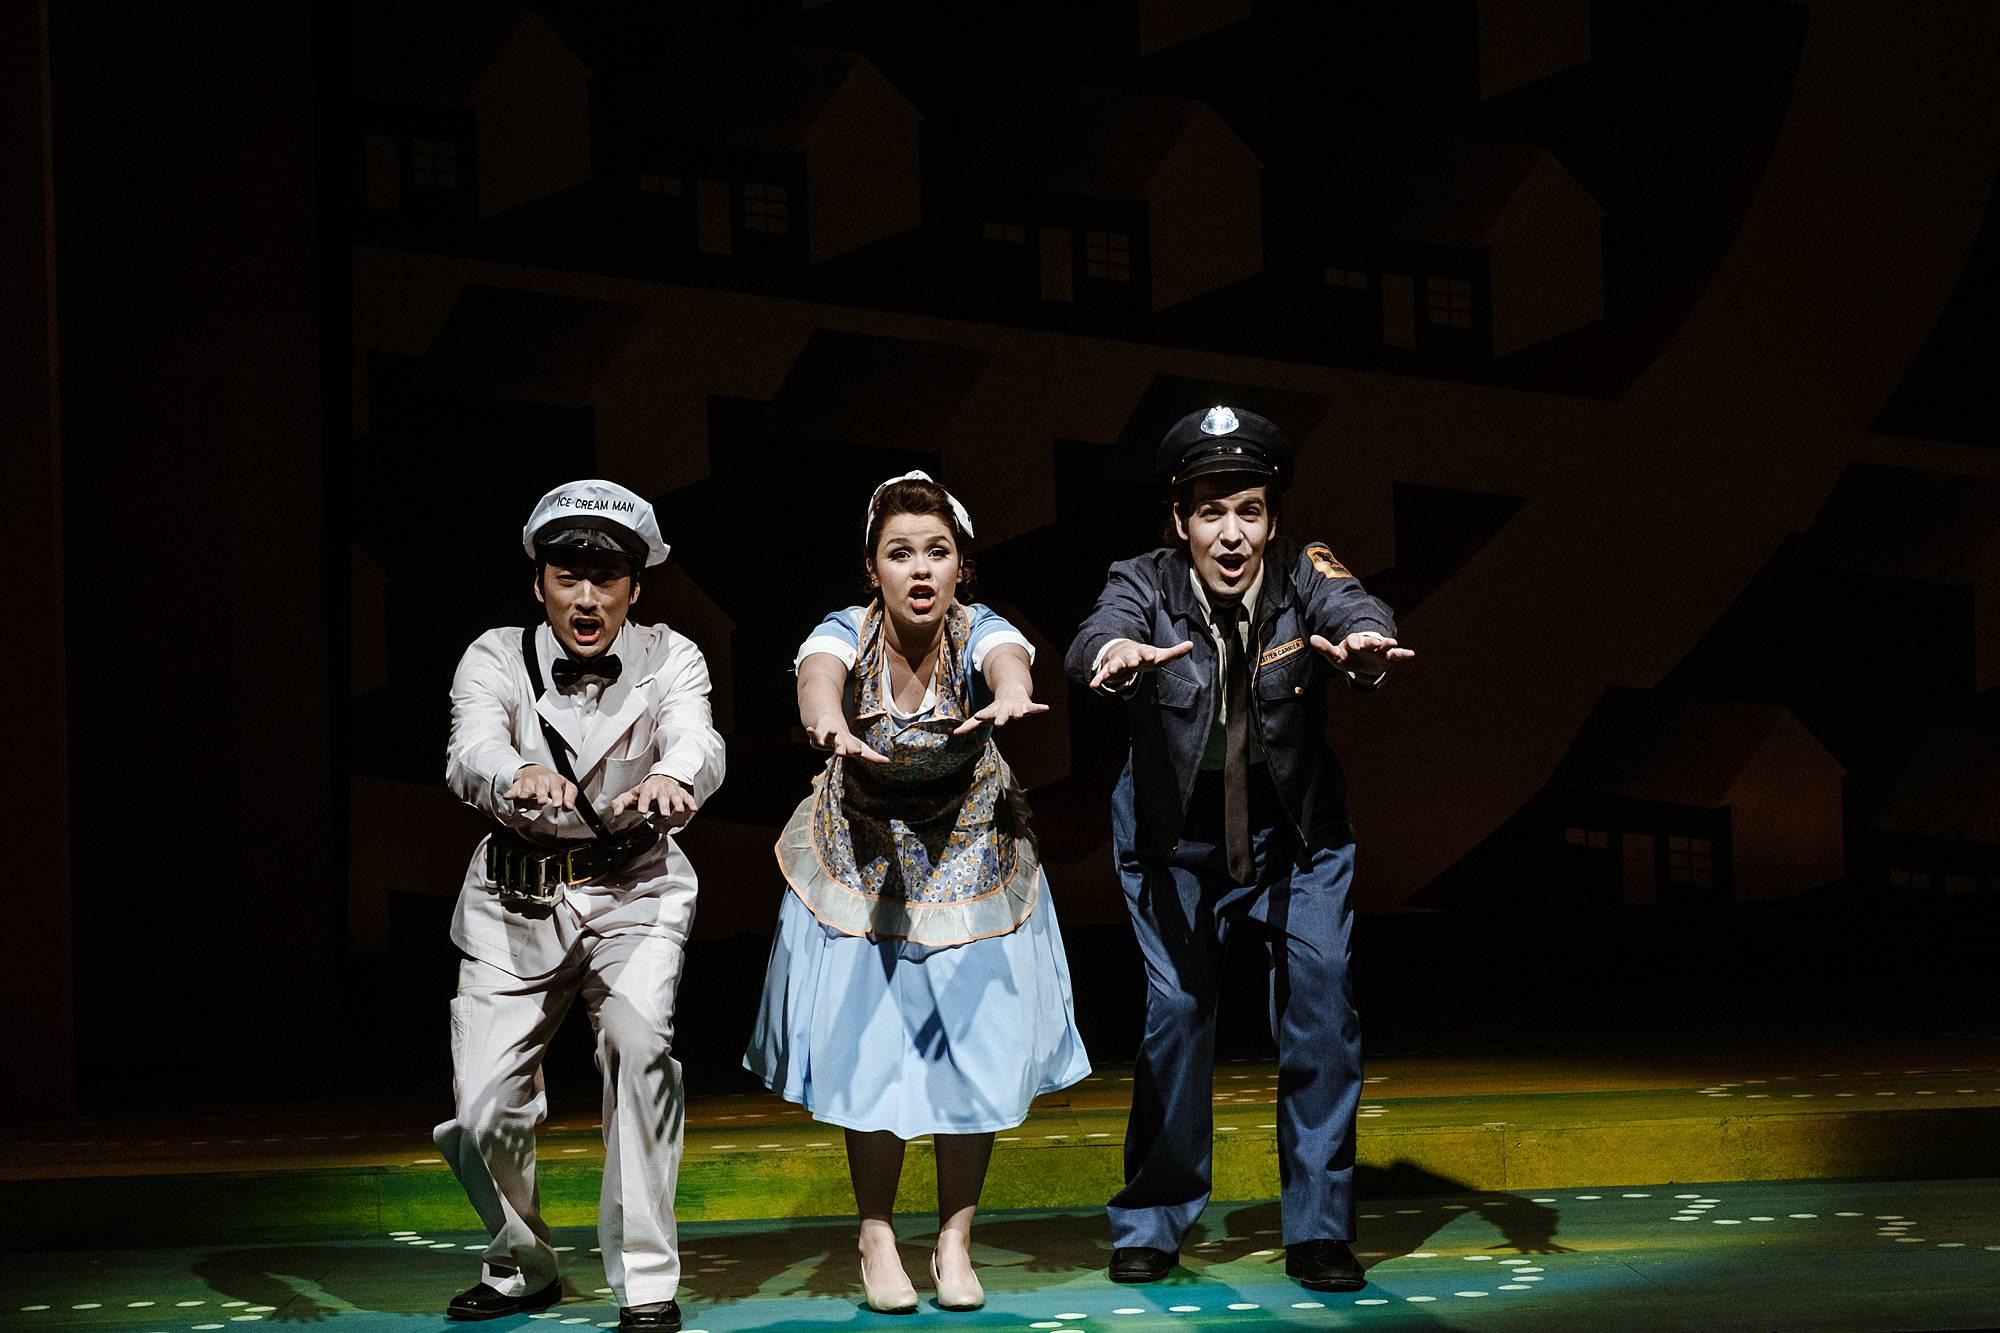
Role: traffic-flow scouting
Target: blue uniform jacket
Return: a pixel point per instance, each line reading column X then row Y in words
column 1151, row 600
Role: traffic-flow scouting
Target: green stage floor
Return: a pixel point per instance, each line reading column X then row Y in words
column 1917, row 1108
column 1803, row 1255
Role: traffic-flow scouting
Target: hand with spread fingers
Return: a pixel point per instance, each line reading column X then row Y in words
column 829, row 732
column 1004, row 709
column 541, row 787
column 661, row 799
column 1127, row 660
column 1365, row 654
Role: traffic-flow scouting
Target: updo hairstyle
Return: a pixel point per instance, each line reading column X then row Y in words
column 918, row 497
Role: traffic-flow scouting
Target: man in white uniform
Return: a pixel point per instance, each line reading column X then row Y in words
column 587, row 740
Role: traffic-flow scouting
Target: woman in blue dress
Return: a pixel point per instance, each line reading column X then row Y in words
column 917, row 982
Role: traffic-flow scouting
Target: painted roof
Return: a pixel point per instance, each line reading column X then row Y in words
column 1435, row 189
column 1654, row 745
column 1950, row 788
column 1100, row 143
column 762, row 97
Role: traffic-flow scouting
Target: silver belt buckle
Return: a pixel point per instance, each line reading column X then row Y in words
column 532, row 881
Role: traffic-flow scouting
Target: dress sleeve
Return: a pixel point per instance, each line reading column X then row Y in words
column 839, row 635
column 992, row 630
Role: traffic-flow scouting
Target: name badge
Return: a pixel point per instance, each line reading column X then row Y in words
column 1281, row 652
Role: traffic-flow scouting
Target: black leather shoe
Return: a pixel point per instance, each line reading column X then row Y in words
column 1141, row 1263
column 1324, row 1265
column 483, row 1302
column 654, row 1318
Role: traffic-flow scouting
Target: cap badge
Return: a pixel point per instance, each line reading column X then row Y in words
column 1219, row 421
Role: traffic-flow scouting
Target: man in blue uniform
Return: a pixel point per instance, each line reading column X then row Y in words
column 1231, row 815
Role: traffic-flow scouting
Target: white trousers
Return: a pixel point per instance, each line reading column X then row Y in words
column 500, row 1028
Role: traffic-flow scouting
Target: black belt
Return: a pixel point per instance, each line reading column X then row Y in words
column 536, row 873
column 520, row 869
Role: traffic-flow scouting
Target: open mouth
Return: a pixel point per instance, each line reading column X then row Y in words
column 1232, row 566
column 922, row 599
column 587, row 630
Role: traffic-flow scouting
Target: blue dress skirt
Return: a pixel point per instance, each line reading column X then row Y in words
column 960, row 1013
column 916, row 1039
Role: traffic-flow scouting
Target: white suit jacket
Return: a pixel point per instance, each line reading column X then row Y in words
column 654, row 719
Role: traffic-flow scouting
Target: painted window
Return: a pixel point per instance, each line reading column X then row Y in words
column 1108, row 255
column 1450, row 301
column 1588, row 837
column 1690, row 861
column 1347, row 277
column 1011, row 232
column 434, row 164
column 767, row 208
column 652, row 184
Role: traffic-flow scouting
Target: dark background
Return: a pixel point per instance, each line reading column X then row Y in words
column 1640, row 354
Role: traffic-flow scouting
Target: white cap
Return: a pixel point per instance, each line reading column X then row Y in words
column 957, row 509
column 620, row 519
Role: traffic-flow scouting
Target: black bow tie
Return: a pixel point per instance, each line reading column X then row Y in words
column 567, row 671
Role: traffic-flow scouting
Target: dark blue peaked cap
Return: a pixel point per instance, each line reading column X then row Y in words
column 1222, row 439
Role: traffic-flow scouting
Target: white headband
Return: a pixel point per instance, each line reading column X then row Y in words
column 957, row 509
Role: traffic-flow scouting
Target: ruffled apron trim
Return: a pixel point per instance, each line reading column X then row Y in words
column 998, row 911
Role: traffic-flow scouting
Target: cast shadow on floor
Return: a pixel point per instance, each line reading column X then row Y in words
column 816, row 1258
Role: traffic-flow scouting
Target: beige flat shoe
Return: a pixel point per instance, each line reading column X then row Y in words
column 968, row 1295
column 896, row 1297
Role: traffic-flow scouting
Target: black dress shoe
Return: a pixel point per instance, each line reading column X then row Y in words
column 1324, row 1265
column 483, row 1302
column 650, row 1318
column 1141, row 1263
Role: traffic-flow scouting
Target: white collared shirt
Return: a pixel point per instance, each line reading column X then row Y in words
column 1243, row 624
column 1215, row 754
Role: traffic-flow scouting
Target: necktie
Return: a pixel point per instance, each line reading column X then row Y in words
column 567, row 671
column 1236, row 752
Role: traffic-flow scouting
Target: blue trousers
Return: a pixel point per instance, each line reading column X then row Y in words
column 1183, row 909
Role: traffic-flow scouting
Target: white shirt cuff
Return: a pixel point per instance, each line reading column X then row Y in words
column 1097, row 665
column 1097, row 662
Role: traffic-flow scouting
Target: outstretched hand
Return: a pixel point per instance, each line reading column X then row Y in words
column 1130, row 659
column 660, row 798
column 1366, row 653
column 831, row 733
column 539, row 787
column 1000, row 712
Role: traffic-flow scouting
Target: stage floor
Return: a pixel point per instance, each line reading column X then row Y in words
column 1803, row 1255
column 340, row 1168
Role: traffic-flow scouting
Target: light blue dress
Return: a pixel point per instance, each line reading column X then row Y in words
column 908, row 1037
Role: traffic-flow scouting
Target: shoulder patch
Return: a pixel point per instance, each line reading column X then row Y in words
column 1323, row 560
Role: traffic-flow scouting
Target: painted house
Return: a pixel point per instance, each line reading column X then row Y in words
column 1113, row 199
column 1926, row 540
column 788, row 155
column 1939, row 830
column 1458, row 247
column 463, row 111
column 1686, row 800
